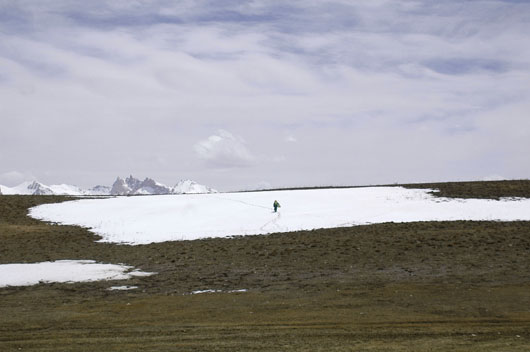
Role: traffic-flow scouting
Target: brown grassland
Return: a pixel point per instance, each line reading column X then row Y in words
column 424, row 286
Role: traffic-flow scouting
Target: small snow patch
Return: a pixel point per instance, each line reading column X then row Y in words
column 121, row 288
column 204, row 291
column 69, row 271
column 216, row 291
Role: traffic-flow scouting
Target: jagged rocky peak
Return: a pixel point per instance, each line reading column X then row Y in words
column 35, row 185
column 39, row 189
column 119, row 187
column 150, row 186
column 133, row 183
column 149, row 182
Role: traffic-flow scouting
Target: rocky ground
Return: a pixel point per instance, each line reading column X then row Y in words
column 432, row 286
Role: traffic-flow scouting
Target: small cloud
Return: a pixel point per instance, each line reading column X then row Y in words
column 223, row 149
column 291, row 139
column 13, row 178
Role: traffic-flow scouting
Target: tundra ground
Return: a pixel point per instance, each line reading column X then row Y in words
column 426, row 286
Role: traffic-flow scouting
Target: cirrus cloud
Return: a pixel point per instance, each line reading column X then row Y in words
column 356, row 83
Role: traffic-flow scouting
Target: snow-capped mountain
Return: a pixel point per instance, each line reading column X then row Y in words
column 189, row 186
column 128, row 186
column 30, row 187
column 132, row 185
column 37, row 188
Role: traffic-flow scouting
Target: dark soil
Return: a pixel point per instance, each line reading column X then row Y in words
column 478, row 189
column 426, row 286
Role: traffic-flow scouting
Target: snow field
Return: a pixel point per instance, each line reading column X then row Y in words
column 64, row 271
column 149, row 219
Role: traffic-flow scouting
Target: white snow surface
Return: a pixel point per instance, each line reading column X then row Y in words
column 191, row 187
column 64, row 271
column 142, row 220
column 217, row 291
column 122, row 288
column 64, row 189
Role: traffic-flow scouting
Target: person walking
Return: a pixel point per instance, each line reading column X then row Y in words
column 276, row 205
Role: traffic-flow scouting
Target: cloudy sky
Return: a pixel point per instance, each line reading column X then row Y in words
column 244, row 94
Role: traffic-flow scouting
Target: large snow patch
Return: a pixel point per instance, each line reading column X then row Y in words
column 28, row 274
column 142, row 220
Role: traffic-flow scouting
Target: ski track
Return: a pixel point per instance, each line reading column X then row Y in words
column 274, row 222
column 242, row 202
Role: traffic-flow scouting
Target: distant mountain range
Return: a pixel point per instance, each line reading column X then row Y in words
column 120, row 187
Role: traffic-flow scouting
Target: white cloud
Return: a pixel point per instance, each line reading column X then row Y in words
column 224, row 150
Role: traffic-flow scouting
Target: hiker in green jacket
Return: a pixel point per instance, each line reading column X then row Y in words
column 276, row 205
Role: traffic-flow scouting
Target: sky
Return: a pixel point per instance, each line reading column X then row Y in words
column 258, row 94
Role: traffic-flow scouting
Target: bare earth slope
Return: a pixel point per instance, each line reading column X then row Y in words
column 433, row 286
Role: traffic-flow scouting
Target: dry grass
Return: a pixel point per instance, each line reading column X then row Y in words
column 434, row 286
